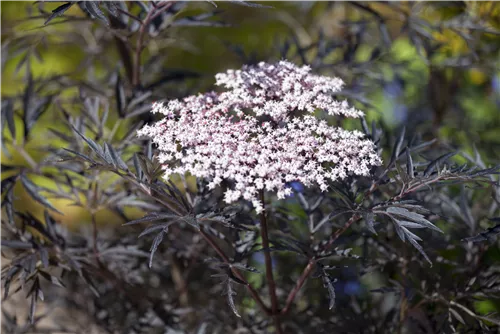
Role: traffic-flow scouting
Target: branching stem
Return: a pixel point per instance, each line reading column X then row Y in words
column 211, row 242
column 152, row 14
column 235, row 271
column 302, row 279
column 310, row 266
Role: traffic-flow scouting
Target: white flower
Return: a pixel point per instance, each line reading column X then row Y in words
column 252, row 135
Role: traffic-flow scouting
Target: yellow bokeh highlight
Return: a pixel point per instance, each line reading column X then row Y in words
column 477, row 77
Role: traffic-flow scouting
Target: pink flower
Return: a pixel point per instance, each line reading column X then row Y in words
column 259, row 133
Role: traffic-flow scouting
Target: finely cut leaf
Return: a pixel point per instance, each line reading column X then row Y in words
column 112, row 8
column 410, row 235
column 489, row 234
column 245, row 267
column 327, row 283
column 117, row 160
column 370, row 222
column 93, row 145
column 230, row 293
column 399, row 231
column 151, row 218
column 93, row 9
column 120, row 96
column 79, row 155
column 420, row 249
column 412, row 216
column 107, row 155
column 34, row 191
column 397, row 146
column 158, row 239
column 410, row 224
column 432, row 165
column 59, row 11
column 409, row 164
column 154, row 228
column 457, row 315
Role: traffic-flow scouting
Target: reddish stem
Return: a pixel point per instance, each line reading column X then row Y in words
column 235, row 271
column 310, row 266
column 217, row 249
column 302, row 279
column 269, row 267
column 152, row 14
column 340, row 231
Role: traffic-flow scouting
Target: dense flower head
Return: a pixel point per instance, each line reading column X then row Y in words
column 277, row 89
column 259, row 133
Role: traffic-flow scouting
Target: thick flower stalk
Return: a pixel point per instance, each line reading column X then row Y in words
column 260, row 133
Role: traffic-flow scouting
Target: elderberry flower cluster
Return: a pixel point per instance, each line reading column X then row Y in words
column 260, row 134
